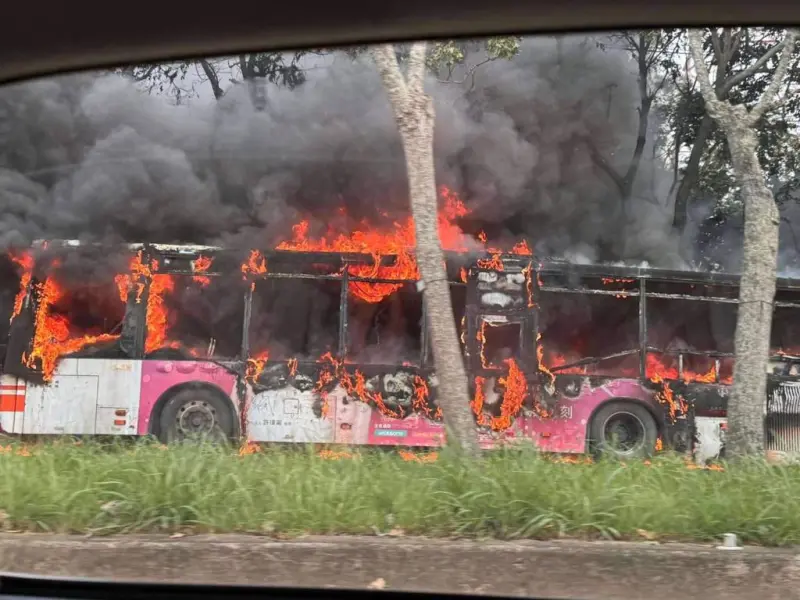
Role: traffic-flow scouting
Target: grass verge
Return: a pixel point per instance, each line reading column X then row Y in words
column 95, row 488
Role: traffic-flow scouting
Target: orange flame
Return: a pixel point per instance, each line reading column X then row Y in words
column 25, row 262
column 255, row 264
column 157, row 322
column 410, row 456
column 528, row 271
column 248, row 448
column 494, row 263
column 355, row 385
column 255, row 366
column 398, row 242
column 515, row 392
column 667, row 397
column 201, row 265
column 51, row 338
column 156, row 312
column 540, row 359
column 421, row 401
column 328, row 454
column 480, row 398
column 657, row 366
column 140, row 272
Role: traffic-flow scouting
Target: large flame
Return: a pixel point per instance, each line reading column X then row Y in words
column 160, row 284
column 25, row 262
column 398, row 242
column 515, row 391
column 201, row 265
column 52, row 338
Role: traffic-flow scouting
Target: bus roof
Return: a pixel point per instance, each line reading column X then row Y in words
column 544, row 266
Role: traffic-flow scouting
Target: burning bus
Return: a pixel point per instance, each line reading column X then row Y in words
column 297, row 345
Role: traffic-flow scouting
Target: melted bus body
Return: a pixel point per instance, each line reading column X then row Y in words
column 300, row 347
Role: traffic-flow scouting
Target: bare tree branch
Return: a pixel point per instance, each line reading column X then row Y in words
column 716, row 45
column 600, row 162
column 713, row 103
column 767, row 100
column 752, row 69
column 213, row 78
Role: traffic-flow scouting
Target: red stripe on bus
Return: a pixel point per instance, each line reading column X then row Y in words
column 12, row 387
column 12, row 403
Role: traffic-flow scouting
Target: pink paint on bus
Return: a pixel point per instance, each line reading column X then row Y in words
column 160, row 375
column 564, row 432
column 414, row 430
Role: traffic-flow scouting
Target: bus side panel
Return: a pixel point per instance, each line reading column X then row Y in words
column 12, row 403
column 413, row 431
column 65, row 405
column 158, row 376
column 291, row 415
column 288, row 414
column 566, row 431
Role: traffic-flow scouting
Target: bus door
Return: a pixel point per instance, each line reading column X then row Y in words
column 500, row 329
column 500, row 321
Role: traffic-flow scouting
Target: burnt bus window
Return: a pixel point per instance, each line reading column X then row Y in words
column 295, row 318
column 499, row 342
column 684, row 332
column 574, row 327
column 84, row 318
column 387, row 332
column 199, row 316
column 785, row 337
column 700, row 290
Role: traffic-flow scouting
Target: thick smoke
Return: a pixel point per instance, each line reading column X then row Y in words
column 94, row 158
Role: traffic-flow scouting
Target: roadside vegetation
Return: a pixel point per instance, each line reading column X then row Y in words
column 144, row 487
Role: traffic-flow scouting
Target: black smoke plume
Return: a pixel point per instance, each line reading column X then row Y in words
column 92, row 157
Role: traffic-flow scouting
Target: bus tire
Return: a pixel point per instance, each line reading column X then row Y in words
column 622, row 430
column 196, row 413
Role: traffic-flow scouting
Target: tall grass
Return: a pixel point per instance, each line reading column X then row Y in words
column 143, row 487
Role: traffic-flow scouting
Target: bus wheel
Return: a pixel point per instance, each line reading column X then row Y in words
column 623, row 430
column 194, row 414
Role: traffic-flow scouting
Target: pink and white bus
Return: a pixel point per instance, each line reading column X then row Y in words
column 299, row 346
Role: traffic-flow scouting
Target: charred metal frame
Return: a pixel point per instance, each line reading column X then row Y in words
column 177, row 260
column 641, row 276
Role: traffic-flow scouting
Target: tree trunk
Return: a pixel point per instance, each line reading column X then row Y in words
column 756, row 295
column 759, row 252
column 414, row 115
column 691, row 174
column 452, row 392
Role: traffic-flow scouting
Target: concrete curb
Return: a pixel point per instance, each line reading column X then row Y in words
column 559, row 569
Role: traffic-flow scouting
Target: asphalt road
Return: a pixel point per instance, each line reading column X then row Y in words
column 562, row 569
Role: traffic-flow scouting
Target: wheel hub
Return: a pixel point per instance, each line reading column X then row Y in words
column 625, row 431
column 196, row 417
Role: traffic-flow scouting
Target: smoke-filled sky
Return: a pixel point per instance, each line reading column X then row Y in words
column 93, row 157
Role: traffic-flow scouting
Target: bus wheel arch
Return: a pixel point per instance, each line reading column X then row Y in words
column 204, row 404
column 635, row 422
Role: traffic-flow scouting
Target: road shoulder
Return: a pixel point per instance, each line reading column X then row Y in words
column 562, row 569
